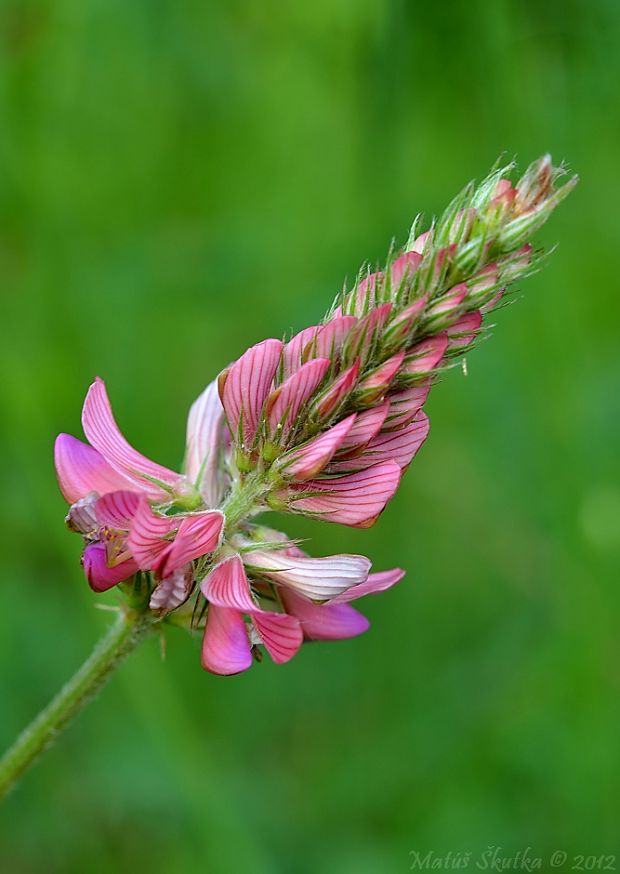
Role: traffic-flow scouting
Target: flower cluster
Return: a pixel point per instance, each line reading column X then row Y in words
column 322, row 425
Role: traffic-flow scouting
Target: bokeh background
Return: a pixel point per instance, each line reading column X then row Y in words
column 178, row 181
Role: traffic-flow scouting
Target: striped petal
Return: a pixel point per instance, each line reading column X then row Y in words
column 117, row 509
column 198, row 535
column 104, row 434
column 363, row 336
column 226, row 646
column 80, row 470
column 173, row 591
column 373, row 585
column 399, row 446
column 365, row 427
column 325, row 621
column 227, row 586
column 308, row 460
column 403, row 268
column 404, row 405
column 356, row 499
column 245, row 386
column 101, row 577
column 293, row 350
column 280, row 633
column 284, row 404
column 317, row 578
column 424, row 357
column 463, row 332
column 147, row 535
column 334, row 395
column 205, row 441
column 328, row 340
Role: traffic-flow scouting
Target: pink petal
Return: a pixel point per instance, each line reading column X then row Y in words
column 80, row 469
column 103, row 433
column 308, row 460
column 421, row 243
column 403, row 268
column 463, row 332
column 356, row 499
column 399, row 446
column 333, row 396
column 147, row 535
column 284, row 404
column 426, row 355
column 364, row 428
column 227, row 586
column 246, row 386
column 448, row 302
column 198, row 535
column 374, row 584
column 404, row 405
column 117, row 509
column 325, row 621
column 225, row 646
column 362, row 337
column 316, row 578
column 205, row 442
column 101, row 577
column 292, row 352
column 328, row 340
column 173, row 591
column 366, row 294
column 402, row 325
column 281, row 635
column 379, row 380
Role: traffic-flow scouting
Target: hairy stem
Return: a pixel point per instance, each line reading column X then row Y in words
column 130, row 627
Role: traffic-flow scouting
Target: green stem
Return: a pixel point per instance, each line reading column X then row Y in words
column 130, row 627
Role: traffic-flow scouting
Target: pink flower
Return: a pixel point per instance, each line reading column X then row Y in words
column 110, row 486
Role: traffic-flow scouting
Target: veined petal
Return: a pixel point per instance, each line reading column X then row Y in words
column 333, row 396
column 356, row 499
column 373, row 585
column 426, row 355
column 280, row 633
column 117, row 509
column 103, row 433
column 245, row 387
column 147, row 535
column 403, row 268
column 227, row 586
column 316, row 578
column 328, row 340
column 308, row 460
column 226, row 646
column 171, row 592
column 399, row 446
column 325, row 621
column 404, row 405
column 292, row 352
column 377, row 383
column 101, row 577
column 284, row 404
column 464, row 331
column 198, row 535
column 80, row 469
column 205, row 441
column 359, row 340
column 364, row 428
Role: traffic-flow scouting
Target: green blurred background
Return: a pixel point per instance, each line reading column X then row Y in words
column 178, row 181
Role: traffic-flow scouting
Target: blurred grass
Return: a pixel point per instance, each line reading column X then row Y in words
column 178, row 181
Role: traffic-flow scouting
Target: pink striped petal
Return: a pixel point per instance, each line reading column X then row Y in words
column 226, row 646
column 292, row 352
column 117, row 509
column 373, row 585
column 364, row 428
column 404, row 405
column 316, row 578
column 448, row 302
column 284, row 404
column 308, row 460
column 366, row 293
column 198, row 535
column 245, row 387
column 463, row 332
column 333, row 396
column 103, row 433
column 280, row 633
column 205, row 441
column 173, row 591
column 378, row 382
column 426, row 355
column 421, row 243
column 147, row 535
column 80, row 470
column 403, row 268
column 227, row 586
column 325, row 621
column 399, row 446
column 403, row 324
column 101, row 577
column 364, row 334
column 328, row 340
column 356, row 499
